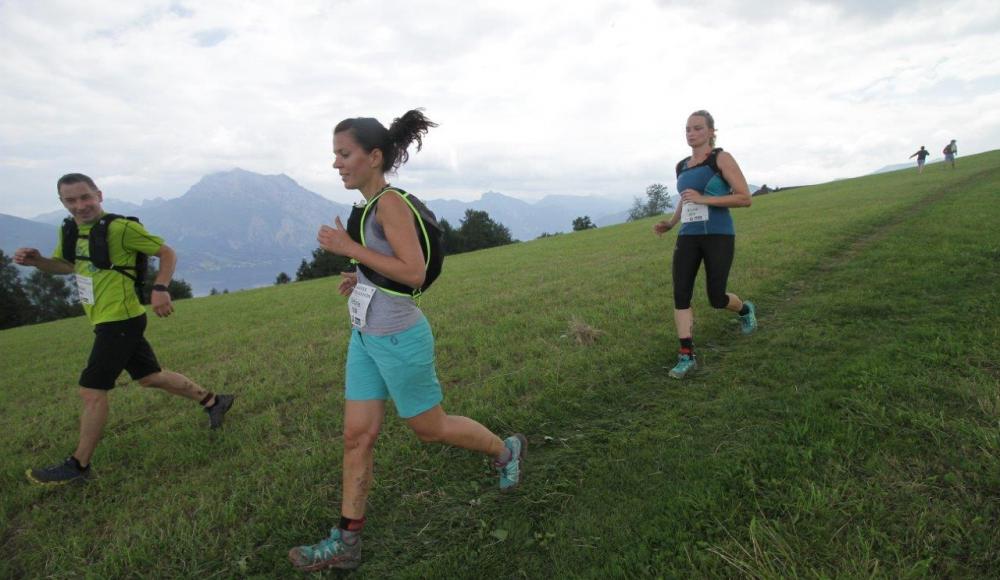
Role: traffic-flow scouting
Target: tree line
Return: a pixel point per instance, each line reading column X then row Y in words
column 477, row 231
column 38, row 298
column 41, row 297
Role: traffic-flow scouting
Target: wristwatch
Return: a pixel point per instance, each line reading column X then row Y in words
column 160, row 288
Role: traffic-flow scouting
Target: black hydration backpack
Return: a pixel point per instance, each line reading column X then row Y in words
column 428, row 231
column 99, row 253
column 711, row 161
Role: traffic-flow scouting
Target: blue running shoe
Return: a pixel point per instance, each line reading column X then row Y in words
column 686, row 365
column 512, row 472
column 331, row 552
column 748, row 321
column 59, row 474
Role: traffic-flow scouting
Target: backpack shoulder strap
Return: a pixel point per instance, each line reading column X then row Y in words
column 401, row 192
column 368, row 207
column 421, row 213
column 100, row 248
column 713, row 159
column 426, row 243
column 681, row 164
column 136, row 273
column 70, row 233
column 100, row 253
column 374, row 201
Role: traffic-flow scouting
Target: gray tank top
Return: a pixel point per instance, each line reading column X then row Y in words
column 387, row 313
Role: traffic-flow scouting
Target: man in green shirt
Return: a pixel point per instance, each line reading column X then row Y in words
column 110, row 302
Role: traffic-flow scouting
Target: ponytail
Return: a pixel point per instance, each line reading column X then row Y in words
column 412, row 126
column 394, row 141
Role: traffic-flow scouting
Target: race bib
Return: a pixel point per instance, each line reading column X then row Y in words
column 694, row 212
column 358, row 303
column 85, row 289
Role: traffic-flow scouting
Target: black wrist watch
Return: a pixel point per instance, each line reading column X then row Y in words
column 160, row 288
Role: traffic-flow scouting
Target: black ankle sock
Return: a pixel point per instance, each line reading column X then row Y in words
column 745, row 310
column 208, row 398
column 687, row 345
column 76, row 463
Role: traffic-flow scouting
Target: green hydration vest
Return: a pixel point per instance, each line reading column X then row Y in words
column 428, row 231
column 98, row 252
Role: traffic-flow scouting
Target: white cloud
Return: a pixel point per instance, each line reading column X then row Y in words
column 532, row 98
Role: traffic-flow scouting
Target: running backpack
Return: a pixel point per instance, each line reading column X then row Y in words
column 428, row 231
column 711, row 161
column 99, row 253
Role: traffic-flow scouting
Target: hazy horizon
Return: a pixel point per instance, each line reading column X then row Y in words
column 532, row 99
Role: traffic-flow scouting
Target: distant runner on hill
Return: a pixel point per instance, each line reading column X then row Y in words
column 950, row 151
column 110, row 301
column 391, row 351
column 710, row 182
column 921, row 155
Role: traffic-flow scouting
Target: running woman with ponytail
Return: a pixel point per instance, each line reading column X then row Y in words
column 710, row 182
column 391, row 352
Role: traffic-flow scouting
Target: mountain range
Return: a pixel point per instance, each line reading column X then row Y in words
column 238, row 229
column 18, row 232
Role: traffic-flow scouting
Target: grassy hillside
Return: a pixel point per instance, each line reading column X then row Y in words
column 855, row 434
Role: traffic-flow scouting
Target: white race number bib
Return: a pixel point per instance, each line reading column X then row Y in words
column 358, row 303
column 85, row 289
column 694, row 212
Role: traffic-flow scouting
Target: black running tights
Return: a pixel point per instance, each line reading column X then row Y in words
column 717, row 252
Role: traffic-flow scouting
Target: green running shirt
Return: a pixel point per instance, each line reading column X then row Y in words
column 114, row 293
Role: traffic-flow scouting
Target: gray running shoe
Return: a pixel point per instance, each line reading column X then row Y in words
column 331, row 552
column 59, row 474
column 217, row 412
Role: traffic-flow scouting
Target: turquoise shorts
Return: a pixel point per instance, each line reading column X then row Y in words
column 398, row 366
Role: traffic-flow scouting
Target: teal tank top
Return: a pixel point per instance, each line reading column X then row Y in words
column 706, row 179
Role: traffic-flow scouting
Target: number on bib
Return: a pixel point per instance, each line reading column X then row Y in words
column 357, row 304
column 694, row 212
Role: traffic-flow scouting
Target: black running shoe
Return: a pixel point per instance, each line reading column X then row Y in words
column 217, row 412
column 59, row 474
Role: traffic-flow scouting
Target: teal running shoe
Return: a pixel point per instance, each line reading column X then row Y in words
column 512, row 472
column 331, row 552
column 748, row 321
column 686, row 365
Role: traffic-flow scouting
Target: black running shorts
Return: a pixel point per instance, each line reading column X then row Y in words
column 119, row 346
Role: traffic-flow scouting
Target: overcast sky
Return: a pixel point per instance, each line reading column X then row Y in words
column 533, row 97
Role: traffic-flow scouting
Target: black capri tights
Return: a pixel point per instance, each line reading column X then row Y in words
column 717, row 251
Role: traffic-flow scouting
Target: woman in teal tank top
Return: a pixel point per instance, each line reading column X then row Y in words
column 391, row 351
column 710, row 183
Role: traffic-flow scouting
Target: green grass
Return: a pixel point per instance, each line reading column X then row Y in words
column 855, row 435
